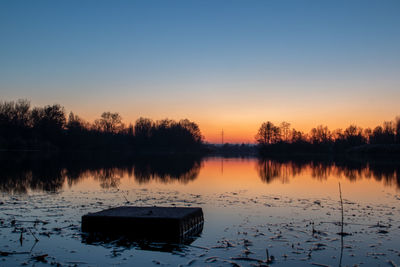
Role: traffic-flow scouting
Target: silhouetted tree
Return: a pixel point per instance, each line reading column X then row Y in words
column 337, row 134
column 109, row 123
column 285, row 130
column 320, row 135
column 267, row 134
column 51, row 118
column 397, row 125
column 377, row 135
column 48, row 123
column 143, row 129
column 297, row 136
column 389, row 132
column 192, row 130
column 15, row 121
column 353, row 136
column 75, row 123
column 384, row 135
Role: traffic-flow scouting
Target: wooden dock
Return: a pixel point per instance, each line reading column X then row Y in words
column 159, row 223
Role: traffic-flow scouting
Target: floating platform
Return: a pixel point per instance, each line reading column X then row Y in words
column 152, row 223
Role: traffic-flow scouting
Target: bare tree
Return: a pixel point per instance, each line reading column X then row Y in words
column 285, row 130
column 296, row 136
column 109, row 122
column 75, row 123
column 268, row 133
column 367, row 134
column 16, row 114
column 49, row 118
column 353, row 135
column 143, row 127
column 321, row 134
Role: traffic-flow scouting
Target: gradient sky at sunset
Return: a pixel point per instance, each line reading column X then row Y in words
column 222, row 64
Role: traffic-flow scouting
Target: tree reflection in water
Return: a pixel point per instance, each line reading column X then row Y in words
column 20, row 173
column 384, row 170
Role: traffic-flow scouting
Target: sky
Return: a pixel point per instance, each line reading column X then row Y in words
column 227, row 65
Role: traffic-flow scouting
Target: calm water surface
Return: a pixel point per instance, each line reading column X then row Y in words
column 290, row 208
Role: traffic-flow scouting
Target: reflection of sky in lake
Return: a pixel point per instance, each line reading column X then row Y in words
column 249, row 206
column 220, row 175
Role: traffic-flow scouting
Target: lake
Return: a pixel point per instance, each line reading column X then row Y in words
column 289, row 208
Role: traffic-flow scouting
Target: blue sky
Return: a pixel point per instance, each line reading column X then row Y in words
column 225, row 64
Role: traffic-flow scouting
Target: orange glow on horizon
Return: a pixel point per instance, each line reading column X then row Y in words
column 242, row 129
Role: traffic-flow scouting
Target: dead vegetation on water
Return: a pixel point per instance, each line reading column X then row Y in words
column 241, row 229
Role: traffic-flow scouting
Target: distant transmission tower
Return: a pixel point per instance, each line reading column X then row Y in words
column 222, row 137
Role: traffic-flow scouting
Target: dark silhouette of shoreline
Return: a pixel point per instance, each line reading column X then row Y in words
column 47, row 128
column 382, row 140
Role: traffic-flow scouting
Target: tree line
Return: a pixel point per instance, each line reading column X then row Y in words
column 23, row 127
column 282, row 138
column 49, row 128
